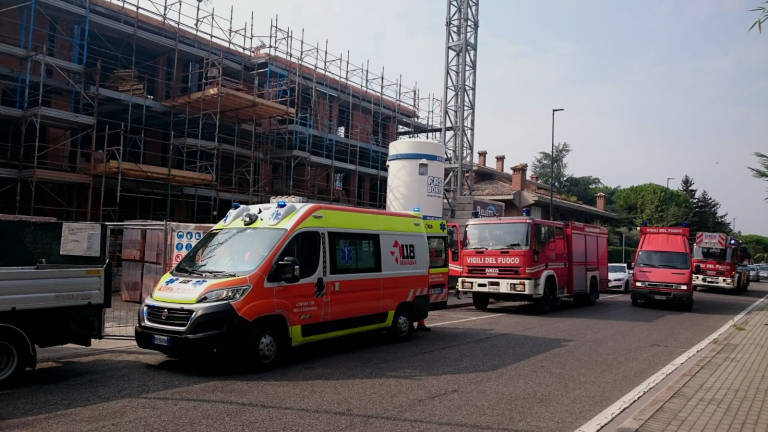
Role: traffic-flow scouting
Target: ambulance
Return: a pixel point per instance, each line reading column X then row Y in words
column 272, row 276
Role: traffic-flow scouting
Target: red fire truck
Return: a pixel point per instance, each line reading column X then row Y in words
column 663, row 266
column 717, row 262
column 527, row 259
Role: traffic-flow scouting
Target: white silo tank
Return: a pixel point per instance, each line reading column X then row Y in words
column 415, row 177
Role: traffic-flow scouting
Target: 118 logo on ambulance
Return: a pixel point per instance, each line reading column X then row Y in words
column 403, row 253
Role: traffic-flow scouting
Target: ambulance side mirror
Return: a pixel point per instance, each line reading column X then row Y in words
column 288, row 270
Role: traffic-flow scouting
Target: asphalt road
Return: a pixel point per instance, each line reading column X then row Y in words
column 504, row 369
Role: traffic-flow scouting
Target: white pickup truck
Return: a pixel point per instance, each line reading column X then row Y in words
column 48, row 305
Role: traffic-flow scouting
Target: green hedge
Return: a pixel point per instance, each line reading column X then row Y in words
column 614, row 254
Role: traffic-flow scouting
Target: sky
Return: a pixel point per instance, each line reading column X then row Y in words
column 651, row 89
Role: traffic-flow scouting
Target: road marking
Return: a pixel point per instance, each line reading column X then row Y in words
column 608, row 414
column 465, row 319
column 610, row 296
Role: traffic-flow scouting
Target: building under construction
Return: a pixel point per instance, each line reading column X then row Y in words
column 158, row 109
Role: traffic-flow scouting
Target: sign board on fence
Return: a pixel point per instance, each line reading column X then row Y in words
column 81, row 239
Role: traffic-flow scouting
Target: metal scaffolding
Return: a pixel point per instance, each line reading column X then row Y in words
column 159, row 109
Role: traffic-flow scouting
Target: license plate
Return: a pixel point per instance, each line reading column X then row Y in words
column 435, row 290
column 660, row 297
column 161, row 340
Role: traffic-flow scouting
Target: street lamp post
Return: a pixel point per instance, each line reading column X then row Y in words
column 666, row 216
column 552, row 164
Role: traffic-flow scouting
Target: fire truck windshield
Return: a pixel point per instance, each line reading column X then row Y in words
column 659, row 259
column 497, row 236
column 229, row 252
column 714, row 254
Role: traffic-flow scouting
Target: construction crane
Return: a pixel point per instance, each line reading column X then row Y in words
column 458, row 114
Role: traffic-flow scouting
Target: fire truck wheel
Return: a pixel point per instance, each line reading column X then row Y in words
column 548, row 300
column 480, row 301
column 634, row 300
column 402, row 326
column 593, row 293
column 688, row 305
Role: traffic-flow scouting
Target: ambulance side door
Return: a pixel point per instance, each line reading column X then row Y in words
column 304, row 301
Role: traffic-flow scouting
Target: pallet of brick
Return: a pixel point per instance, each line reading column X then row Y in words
column 133, row 244
column 152, row 274
column 131, row 281
column 154, row 246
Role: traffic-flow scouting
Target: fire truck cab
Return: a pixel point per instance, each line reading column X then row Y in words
column 663, row 267
column 527, row 259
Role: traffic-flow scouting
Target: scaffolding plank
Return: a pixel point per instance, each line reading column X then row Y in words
column 57, row 117
column 9, row 112
column 232, row 103
column 329, row 162
column 211, row 145
column 138, row 100
column 151, row 172
column 56, row 176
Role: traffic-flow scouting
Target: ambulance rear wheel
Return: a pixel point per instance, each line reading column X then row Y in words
column 402, row 326
column 480, row 301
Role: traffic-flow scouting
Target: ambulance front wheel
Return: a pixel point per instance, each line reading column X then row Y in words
column 269, row 346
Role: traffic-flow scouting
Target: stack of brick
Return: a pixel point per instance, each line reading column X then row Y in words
column 133, row 264
column 147, row 253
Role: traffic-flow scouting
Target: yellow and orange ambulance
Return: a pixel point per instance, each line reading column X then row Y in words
column 271, row 276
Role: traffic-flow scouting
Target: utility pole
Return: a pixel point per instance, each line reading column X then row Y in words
column 666, row 216
column 552, row 164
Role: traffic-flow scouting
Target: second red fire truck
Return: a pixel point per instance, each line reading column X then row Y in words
column 717, row 262
column 527, row 259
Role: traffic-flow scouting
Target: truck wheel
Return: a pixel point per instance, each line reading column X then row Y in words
column 11, row 359
column 593, row 293
column 402, row 326
column 548, row 300
column 626, row 287
column 480, row 301
column 688, row 305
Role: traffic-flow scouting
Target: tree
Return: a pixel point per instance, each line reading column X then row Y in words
column 706, row 215
column 762, row 172
column 686, row 187
column 757, row 244
column 583, row 188
column 760, row 18
column 648, row 203
column 541, row 166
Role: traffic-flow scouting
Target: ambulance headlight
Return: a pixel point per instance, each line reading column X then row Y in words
column 225, row 294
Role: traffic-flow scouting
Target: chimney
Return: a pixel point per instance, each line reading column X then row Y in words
column 518, row 176
column 500, row 163
column 600, row 201
column 481, row 157
column 534, row 178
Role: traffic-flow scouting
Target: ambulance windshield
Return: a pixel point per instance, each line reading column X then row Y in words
column 497, row 236
column 230, row 252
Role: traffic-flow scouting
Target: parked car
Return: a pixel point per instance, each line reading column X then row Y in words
column 763, row 271
column 619, row 277
column 754, row 273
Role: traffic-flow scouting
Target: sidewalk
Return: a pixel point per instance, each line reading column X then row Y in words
column 726, row 390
